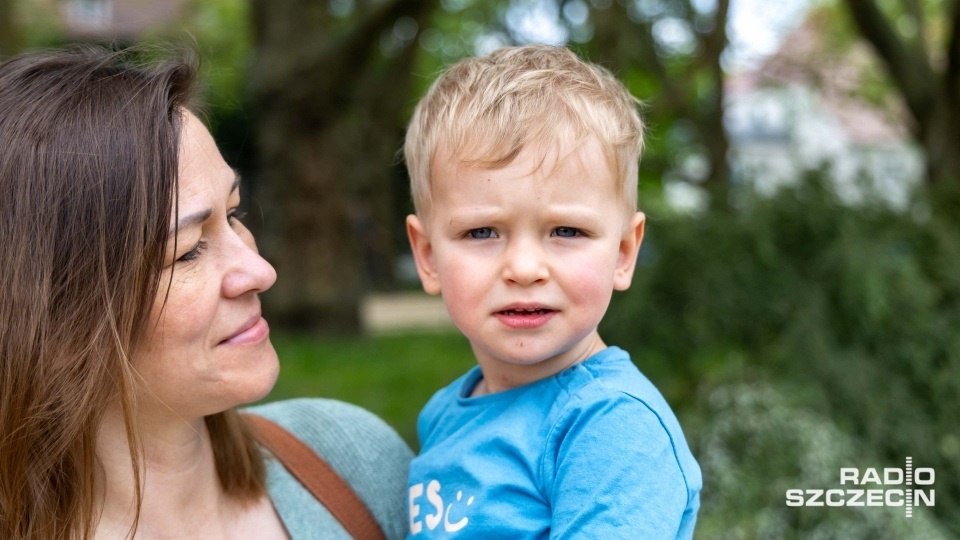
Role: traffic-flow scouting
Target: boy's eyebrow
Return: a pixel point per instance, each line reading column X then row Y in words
column 477, row 213
column 574, row 210
column 202, row 215
column 555, row 213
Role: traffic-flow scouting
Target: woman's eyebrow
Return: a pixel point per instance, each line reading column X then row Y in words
column 203, row 215
column 192, row 219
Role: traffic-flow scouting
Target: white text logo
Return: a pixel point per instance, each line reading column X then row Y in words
column 907, row 487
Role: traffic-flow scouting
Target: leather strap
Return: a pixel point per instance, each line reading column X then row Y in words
column 318, row 477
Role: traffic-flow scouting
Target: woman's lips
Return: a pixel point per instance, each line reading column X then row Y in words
column 255, row 331
column 525, row 317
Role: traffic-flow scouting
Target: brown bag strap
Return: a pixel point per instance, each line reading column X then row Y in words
column 318, row 477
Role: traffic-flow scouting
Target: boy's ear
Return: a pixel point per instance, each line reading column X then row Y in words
column 629, row 248
column 423, row 255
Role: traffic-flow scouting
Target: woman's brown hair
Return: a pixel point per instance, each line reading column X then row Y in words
column 89, row 142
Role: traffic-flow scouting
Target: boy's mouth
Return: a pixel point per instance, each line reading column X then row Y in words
column 524, row 316
column 534, row 311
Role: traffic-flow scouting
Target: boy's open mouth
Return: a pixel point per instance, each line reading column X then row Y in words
column 533, row 311
column 519, row 317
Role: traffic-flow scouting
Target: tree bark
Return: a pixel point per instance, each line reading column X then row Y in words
column 324, row 161
column 713, row 131
column 931, row 95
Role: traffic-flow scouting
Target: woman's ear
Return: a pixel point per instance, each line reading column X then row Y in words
column 423, row 254
column 627, row 255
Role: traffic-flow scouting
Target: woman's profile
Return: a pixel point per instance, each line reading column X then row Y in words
column 130, row 324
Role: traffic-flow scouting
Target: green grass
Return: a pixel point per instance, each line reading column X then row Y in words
column 392, row 376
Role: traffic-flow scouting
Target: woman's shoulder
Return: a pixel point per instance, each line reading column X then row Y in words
column 323, row 422
column 366, row 452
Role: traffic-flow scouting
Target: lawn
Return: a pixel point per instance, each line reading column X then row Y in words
column 392, row 376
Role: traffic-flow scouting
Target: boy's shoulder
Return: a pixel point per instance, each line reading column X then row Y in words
column 441, row 400
column 607, row 400
column 612, row 375
column 604, row 400
column 598, row 434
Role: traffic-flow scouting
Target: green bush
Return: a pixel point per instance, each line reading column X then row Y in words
column 757, row 445
column 857, row 308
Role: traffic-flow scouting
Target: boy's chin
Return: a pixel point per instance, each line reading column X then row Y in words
column 526, row 356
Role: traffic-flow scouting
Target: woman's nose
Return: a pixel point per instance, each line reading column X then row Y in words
column 249, row 272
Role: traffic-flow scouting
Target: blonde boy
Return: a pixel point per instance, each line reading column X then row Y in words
column 524, row 170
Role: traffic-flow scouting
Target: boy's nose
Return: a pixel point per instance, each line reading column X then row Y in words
column 525, row 263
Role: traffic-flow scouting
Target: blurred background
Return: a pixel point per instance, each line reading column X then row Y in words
column 798, row 293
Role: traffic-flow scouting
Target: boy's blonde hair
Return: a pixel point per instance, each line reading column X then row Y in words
column 485, row 110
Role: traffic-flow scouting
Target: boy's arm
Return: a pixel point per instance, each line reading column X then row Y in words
column 616, row 475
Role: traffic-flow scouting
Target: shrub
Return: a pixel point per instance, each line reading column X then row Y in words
column 857, row 308
column 758, row 445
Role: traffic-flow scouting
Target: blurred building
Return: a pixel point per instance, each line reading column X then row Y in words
column 807, row 108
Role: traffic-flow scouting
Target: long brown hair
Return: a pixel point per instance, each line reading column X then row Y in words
column 89, row 142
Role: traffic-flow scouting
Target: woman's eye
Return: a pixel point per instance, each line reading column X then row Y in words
column 236, row 216
column 565, row 232
column 481, row 233
column 193, row 253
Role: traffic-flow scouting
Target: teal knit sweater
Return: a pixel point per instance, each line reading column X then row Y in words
column 365, row 452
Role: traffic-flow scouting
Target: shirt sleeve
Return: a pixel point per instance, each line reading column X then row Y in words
column 615, row 473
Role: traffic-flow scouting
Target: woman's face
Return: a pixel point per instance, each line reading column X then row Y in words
column 208, row 348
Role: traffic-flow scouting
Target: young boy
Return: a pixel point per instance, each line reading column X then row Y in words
column 524, row 173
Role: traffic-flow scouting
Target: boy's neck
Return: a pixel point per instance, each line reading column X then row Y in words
column 500, row 375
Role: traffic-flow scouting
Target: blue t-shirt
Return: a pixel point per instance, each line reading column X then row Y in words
column 592, row 452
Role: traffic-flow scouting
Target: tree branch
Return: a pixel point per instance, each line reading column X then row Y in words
column 951, row 76
column 357, row 46
column 908, row 66
column 715, row 42
column 322, row 72
column 672, row 95
column 914, row 8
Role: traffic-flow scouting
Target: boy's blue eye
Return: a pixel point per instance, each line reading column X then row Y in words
column 481, row 233
column 565, row 232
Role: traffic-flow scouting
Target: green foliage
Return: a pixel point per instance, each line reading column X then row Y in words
column 856, row 307
column 392, row 376
column 221, row 33
column 757, row 445
column 36, row 25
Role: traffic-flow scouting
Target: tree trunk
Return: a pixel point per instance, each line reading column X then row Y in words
column 931, row 94
column 9, row 44
column 940, row 140
column 328, row 125
column 713, row 132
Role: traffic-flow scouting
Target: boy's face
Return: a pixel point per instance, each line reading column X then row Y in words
column 527, row 258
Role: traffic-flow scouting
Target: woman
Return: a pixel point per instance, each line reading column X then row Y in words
column 130, row 325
